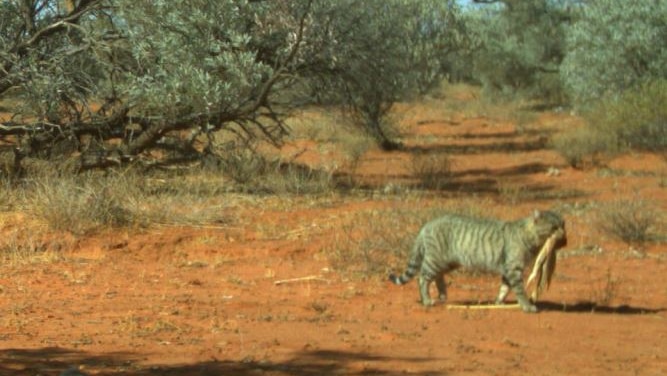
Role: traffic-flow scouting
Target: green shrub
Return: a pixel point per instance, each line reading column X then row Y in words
column 584, row 145
column 612, row 46
column 634, row 120
column 638, row 117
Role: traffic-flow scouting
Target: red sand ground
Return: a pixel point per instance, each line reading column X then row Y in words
column 203, row 301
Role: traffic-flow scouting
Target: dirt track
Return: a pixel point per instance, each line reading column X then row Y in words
column 203, row 301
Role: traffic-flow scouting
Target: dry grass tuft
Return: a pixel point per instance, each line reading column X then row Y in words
column 584, row 146
column 631, row 221
column 433, row 170
column 22, row 247
column 604, row 291
column 82, row 204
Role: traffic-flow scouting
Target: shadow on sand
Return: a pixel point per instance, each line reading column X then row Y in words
column 592, row 307
column 578, row 307
column 54, row 360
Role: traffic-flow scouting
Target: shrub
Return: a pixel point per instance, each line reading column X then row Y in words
column 293, row 178
column 518, row 47
column 242, row 164
column 636, row 119
column 584, row 145
column 433, row 170
column 631, row 221
column 81, row 204
column 373, row 241
column 612, row 46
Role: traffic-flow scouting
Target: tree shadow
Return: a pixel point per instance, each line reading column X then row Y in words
column 507, row 145
column 53, row 360
column 479, row 181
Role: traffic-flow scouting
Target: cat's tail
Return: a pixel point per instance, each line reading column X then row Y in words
column 413, row 265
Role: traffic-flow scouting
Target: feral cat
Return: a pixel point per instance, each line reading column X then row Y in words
column 451, row 241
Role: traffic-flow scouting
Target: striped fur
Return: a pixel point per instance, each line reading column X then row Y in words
column 454, row 241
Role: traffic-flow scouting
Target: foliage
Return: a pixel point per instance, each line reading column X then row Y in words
column 613, row 46
column 518, row 46
column 111, row 81
column 385, row 52
column 635, row 119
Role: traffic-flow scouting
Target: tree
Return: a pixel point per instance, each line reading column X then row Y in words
column 384, row 52
column 118, row 81
column 614, row 46
column 519, row 45
column 111, row 82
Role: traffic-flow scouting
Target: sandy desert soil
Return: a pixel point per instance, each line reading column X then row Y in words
column 203, row 300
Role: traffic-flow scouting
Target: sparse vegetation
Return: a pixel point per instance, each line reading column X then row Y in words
column 208, row 179
column 604, row 291
column 631, row 221
column 632, row 120
column 18, row 248
column 512, row 192
column 371, row 242
column 368, row 243
column 432, row 170
column 584, row 146
column 81, row 204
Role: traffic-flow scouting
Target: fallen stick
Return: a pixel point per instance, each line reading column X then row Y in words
column 482, row 306
column 300, row 279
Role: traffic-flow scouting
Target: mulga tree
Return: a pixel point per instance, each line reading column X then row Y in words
column 115, row 81
column 615, row 72
column 614, row 46
column 519, row 45
column 109, row 82
column 383, row 52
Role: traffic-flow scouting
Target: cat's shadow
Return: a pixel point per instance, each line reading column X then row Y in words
column 578, row 307
column 593, row 307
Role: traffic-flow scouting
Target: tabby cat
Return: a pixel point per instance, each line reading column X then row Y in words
column 451, row 241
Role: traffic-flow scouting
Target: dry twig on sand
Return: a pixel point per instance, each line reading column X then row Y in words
column 300, row 279
column 483, row 306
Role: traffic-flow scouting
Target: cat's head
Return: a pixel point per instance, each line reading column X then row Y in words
column 547, row 223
